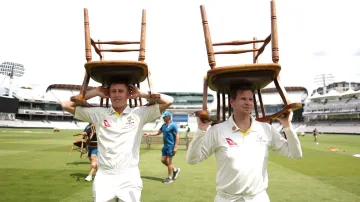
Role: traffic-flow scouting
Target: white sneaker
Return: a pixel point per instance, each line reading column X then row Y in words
column 88, row 178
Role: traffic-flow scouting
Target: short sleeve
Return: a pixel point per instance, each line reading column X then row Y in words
column 88, row 114
column 162, row 128
column 176, row 128
column 148, row 113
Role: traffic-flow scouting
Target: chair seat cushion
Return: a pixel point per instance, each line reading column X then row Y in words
column 78, row 143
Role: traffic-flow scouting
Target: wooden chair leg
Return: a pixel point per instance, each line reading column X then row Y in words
column 81, row 149
column 130, row 103
column 140, row 100
column 107, row 102
column 288, row 106
column 205, row 94
column 281, row 91
column 204, row 114
column 261, row 104
column 135, row 100
column 207, row 36
column 72, row 148
column 101, row 102
column 79, row 99
column 223, row 106
column 255, row 107
column 217, row 106
column 229, row 106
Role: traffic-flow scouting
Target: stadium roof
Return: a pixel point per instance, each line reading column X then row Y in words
column 332, row 94
column 348, row 93
column 288, row 89
column 66, row 87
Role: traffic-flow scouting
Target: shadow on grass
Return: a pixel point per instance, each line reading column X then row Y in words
column 78, row 163
column 81, row 176
column 152, row 178
column 78, row 176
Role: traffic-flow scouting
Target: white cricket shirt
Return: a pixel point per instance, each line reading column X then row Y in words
column 118, row 136
column 241, row 157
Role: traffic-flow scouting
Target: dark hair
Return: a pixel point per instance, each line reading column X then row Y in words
column 235, row 88
column 118, row 80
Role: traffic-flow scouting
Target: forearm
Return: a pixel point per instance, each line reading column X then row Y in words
column 69, row 106
column 292, row 148
column 156, row 133
column 194, row 154
column 176, row 141
column 286, row 124
column 90, row 94
column 163, row 100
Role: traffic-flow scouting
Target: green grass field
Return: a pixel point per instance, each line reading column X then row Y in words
column 36, row 165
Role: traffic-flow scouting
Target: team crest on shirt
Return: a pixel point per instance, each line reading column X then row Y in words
column 231, row 142
column 260, row 138
column 130, row 122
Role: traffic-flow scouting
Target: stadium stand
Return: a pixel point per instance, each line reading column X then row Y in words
column 333, row 109
column 336, row 111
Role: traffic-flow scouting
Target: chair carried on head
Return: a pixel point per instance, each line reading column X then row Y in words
column 106, row 71
column 258, row 75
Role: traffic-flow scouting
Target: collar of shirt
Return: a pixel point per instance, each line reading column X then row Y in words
column 253, row 127
column 127, row 110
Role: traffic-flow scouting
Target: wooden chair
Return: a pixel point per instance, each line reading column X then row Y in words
column 89, row 140
column 104, row 71
column 219, row 79
column 79, row 144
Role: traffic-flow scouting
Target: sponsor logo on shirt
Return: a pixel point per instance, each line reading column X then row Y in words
column 106, row 123
column 230, row 142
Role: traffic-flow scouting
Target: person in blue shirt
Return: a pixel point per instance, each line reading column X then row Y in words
column 171, row 139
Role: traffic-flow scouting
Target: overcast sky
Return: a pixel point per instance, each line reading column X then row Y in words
column 47, row 37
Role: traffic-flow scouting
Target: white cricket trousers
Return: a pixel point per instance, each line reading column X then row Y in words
column 123, row 186
column 260, row 197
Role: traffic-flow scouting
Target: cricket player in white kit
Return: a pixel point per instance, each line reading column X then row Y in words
column 241, row 145
column 119, row 129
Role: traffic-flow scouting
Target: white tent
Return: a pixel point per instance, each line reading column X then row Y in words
column 357, row 93
column 332, row 94
column 348, row 93
column 316, row 96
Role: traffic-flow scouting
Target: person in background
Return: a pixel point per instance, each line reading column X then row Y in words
column 315, row 133
column 171, row 140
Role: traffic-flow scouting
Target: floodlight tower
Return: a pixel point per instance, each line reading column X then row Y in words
column 11, row 69
column 324, row 80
